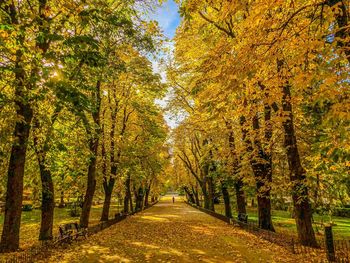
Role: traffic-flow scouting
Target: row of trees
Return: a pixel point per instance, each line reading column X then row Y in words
column 77, row 106
column 265, row 92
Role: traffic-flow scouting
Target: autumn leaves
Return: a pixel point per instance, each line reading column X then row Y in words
column 261, row 87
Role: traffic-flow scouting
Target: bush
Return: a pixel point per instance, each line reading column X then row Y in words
column 27, row 208
column 340, row 211
column 74, row 211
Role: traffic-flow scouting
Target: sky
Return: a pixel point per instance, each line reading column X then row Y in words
column 169, row 19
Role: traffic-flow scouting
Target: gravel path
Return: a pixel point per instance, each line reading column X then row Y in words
column 171, row 232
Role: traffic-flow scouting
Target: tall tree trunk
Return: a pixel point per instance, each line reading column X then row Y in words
column 24, row 114
column 138, row 193
column 62, row 204
column 15, row 173
column 189, row 194
column 148, row 190
column 238, row 182
column 302, row 207
column 93, row 146
column 131, row 202
column 262, row 173
column 205, row 193
column 240, row 196
column 211, row 193
column 108, row 190
column 14, row 193
column 196, row 196
column 126, row 204
column 91, row 185
column 227, row 202
column 47, row 203
column 127, row 198
column 48, row 195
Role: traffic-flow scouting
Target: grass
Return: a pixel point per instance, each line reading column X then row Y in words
column 30, row 223
column 283, row 222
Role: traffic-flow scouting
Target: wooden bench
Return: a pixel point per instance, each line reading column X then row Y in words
column 70, row 232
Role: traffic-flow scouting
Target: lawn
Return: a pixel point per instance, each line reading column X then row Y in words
column 283, row 222
column 30, row 224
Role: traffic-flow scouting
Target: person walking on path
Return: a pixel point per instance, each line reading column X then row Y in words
column 173, row 199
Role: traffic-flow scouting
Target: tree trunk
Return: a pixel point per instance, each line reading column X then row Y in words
column 15, row 173
column 211, row 193
column 264, row 213
column 131, row 203
column 238, row 182
column 261, row 165
column 91, row 186
column 240, row 197
column 127, row 198
column 108, row 190
column 302, row 207
column 190, row 196
column 48, row 196
column 138, row 198
column 126, row 204
column 14, row 193
column 148, row 190
column 93, row 146
column 47, row 203
column 205, row 193
column 196, row 196
column 62, row 204
column 226, row 196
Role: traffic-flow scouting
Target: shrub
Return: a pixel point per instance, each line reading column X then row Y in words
column 74, row 211
column 341, row 211
column 27, row 208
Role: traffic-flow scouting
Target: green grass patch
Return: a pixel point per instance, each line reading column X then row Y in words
column 283, row 222
column 30, row 222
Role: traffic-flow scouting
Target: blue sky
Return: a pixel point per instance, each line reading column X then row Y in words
column 168, row 18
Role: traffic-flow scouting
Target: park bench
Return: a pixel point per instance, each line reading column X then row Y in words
column 242, row 218
column 70, row 232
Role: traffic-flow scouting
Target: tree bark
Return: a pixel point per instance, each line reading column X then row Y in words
column 148, row 190
column 14, row 193
column 196, row 196
column 189, row 194
column 47, row 204
column 261, row 165
column 127, row 198
column 226, row 196
column 62, row 204
column 15, row 173
column 211, row 193
column 108, row 190
column 240, row 197
column 24, row 114
column 205, row 193
column 93, row 146
column 238, row 182
column 302, row 207
column 48, row 195
column 91, row 186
